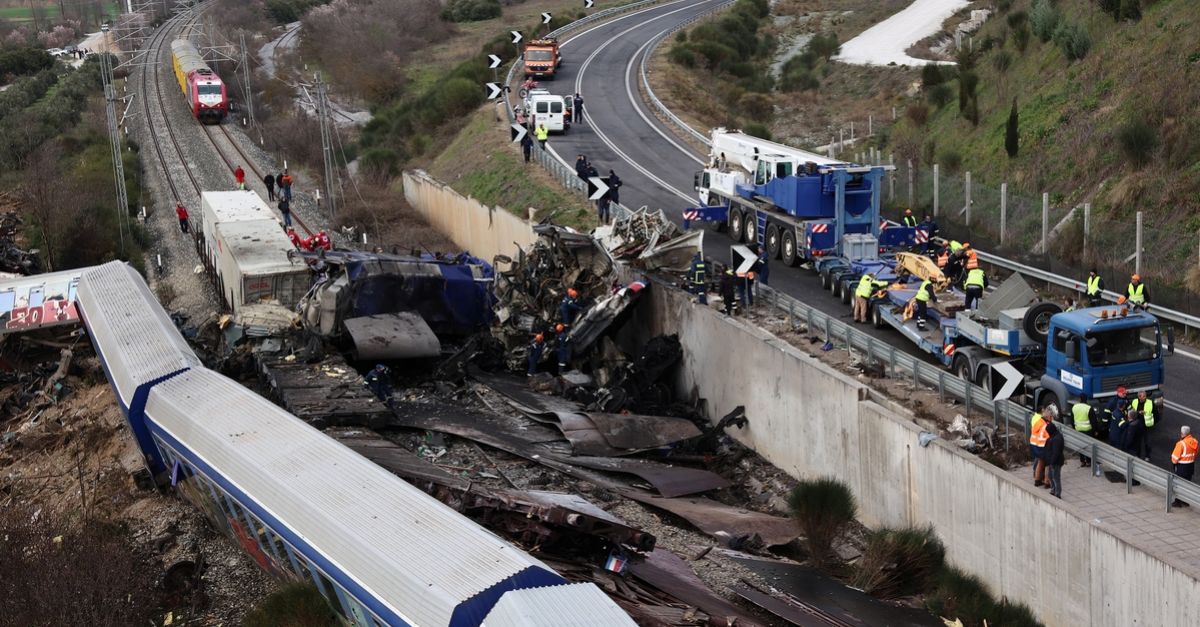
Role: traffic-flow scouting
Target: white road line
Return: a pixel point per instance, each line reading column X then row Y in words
column 635, row 99
column 1187, row 411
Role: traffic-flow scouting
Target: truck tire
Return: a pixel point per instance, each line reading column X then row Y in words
column 789, row 248
column 962, row 369
column 847, row 292
column 877, row 317
column 825, row 279
column 983, row 378
column 835, row 285
column 750, row 227
column 737, row 224
column 1036, row 322
column 772, row 241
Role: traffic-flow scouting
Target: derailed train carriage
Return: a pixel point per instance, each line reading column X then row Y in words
column 304, row 506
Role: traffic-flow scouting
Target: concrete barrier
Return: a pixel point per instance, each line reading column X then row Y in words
column 482, row 230
column 812, row 420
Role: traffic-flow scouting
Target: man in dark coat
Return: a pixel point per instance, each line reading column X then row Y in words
column 728, row 290
column 1055, row 458
column 269, row 182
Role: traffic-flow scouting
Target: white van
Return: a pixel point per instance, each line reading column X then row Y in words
column 544, row 108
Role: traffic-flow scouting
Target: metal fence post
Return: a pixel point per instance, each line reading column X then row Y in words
column 1087, row 224
column 967, row 197
column 910, row 183
column 936, row 189
column 1170, row 491
column 892, row 178
column 1003, row 210
column 941, row 384
column 1129, row 474
column 1045, row 221
column 1137, row 263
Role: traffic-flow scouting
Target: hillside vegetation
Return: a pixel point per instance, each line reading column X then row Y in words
column 1104, row 113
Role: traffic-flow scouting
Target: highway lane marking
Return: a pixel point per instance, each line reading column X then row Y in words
column 634, row 99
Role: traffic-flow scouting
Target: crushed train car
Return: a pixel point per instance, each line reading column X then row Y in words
column 396, row 306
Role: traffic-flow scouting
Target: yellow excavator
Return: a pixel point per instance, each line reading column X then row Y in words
column 923, row 268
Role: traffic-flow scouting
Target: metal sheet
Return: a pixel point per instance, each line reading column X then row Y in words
column 1012, row 293
column 635, row 431
column 670, row 481
column 668, row 572
column 722, row 521
column 403, row 335
column 803, row 592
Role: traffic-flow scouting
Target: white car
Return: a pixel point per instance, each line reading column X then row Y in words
column 56, row 52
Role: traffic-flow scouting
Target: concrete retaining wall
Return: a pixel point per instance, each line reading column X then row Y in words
column 811, row 420
column 482, row 230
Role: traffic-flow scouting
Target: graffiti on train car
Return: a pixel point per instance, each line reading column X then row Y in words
column 41, row 300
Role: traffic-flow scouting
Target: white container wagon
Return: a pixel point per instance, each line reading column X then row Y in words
column 222, row 207
column 253, row 265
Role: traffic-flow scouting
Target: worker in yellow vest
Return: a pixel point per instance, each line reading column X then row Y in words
column 1137, row 293
column 1184, row 457
column 542, row 135
column 925, row 294
column 1037, row 442
column 862, row 295
column 1145, row 407
column 973, row 287
column 1095, row 289
column 1084, row 418
column 909, row 219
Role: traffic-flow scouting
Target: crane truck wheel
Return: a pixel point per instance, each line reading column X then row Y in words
column 825, row 279
column 962, row 369
column 772, row 241
column 876, row 317
column 750, row 227
column 789, row 248
column 736, row 225
column 847, row 292
column 1036, row 323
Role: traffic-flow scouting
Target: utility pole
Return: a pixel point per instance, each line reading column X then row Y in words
column 246, row 84
column 1003, row 211
column 114, row 141
column 1137, row 264
column 936, row 190
column 326, row 142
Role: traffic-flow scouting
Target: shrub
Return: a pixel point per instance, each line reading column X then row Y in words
column 950, row 160
column 286, row 11
column 825, row 46
column 296, row 605
column 21, row 61
column 681, row 36
column 823, row 508
column 918, row 113
column 682, row 55
column 1002, row 61
column 900, row 562
column 1021, row 37
column 1111, row 7
column 964, row 597
column 1131, row 9
column 932, row 74
column 459, row 96
column 799, row 79
column 1017, row 19
column 967, row 82
column 1138, row 142
column 1073, row 40
column 939, row 95
column 1044, row 19
column 757, row 107
column 471, row 10
column 757, row 130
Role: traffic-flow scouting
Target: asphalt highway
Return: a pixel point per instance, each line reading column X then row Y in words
column 656, row 167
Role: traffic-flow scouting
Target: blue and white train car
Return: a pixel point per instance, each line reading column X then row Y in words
column 136, row 341
column 306, row 507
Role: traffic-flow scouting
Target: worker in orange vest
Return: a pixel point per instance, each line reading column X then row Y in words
column 1037, row 442
column 1184, row 457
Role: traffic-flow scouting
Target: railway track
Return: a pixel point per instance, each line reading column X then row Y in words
column 227, row 147
column 156, row 124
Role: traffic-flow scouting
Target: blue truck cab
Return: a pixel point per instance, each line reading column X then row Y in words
column 1096, row 350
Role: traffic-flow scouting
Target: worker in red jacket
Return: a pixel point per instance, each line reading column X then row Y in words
column 182, row 214
column 240, row 175
column 296, row 241
column 323, row 240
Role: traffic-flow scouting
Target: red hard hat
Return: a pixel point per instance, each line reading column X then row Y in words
column 559, row 327
column 571, row 292
column 538, row 337
column 1121, row 391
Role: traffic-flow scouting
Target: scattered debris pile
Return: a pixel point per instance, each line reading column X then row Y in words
column 13, row 259
column 328, row 392
column 651, row 241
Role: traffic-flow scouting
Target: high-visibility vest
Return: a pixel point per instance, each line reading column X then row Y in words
column 910, row 221
column 972, row 260
column 1148, row 414
column 866, row 285
column 943, row 259
column 699, row 273
column 975, row 278
column 1185, row 451
column 1093, row 286
column 955, row 246
column 1137, row 293
column 1037, row 430
column 923, row 292
column 1082, row 412
column 542, row 134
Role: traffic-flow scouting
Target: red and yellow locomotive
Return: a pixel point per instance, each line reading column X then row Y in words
column 204, row 90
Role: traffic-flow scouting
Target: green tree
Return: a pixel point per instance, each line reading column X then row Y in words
column 1011, row 132
column 1111, row 7
column 1131, row 9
